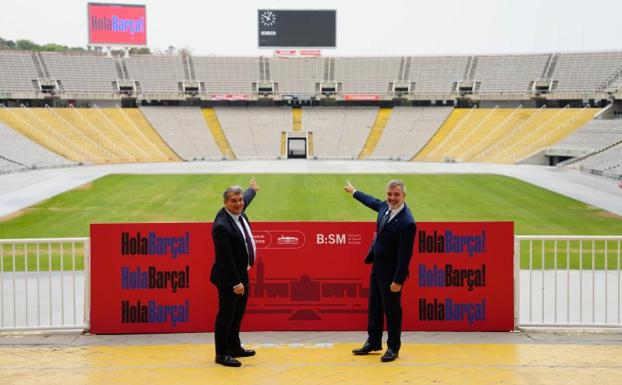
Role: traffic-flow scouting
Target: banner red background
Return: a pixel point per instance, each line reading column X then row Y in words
column 310, row 276
column 107, row 11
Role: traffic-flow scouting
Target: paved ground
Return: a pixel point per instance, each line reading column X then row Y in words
column 533, row 357
column 20, row 190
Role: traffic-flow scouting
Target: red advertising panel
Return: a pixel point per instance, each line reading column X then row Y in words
column 230, row 97
column 150, row 278
column 360, row 98
column 118, row 24
column 308, row 276
column 462, row 277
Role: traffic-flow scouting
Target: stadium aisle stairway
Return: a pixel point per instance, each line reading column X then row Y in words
column 219, row 135
column 501, row 135
column 297, row 119
column 375, row 133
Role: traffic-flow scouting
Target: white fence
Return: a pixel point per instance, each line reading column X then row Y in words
column 571, row 281
column 44, row 284
column 562, row 281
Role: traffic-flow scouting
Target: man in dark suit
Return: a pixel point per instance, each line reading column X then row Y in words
column 235, row 255
column 390, row 255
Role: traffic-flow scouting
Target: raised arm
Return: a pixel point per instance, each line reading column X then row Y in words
column 367, row 200
column 250, row 192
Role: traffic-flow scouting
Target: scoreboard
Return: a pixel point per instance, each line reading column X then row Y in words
column 297, row 28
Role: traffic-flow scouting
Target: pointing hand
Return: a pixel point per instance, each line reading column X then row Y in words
column 254, row 184
column 348, row 188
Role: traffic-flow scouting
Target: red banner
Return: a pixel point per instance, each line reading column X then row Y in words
column 230, row 97
column 308, row 276
column 120, row 24
column 360, row 98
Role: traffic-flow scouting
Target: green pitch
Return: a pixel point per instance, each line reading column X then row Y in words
column 173, row 198
column 284, row 197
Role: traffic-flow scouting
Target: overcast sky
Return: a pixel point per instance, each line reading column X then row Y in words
column 364, row 27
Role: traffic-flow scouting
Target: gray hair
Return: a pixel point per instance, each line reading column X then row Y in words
column 396, row 183
column 235, row 189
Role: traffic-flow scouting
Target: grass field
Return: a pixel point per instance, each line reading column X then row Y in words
column 171, row 198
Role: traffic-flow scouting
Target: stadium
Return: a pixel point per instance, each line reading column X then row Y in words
column 111, row 137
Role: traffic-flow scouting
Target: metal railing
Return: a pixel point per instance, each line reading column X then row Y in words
column 571, row 281
column 44, row 284
column 560, row 281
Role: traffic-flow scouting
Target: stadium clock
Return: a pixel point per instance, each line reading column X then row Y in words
column 267, row 18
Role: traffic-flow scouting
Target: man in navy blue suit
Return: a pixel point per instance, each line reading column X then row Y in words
column 389, row 254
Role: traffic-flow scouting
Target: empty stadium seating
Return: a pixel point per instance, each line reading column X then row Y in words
column 223, row 75
column 156, row 74
column 17, row 71
column 501, row 135
column 408, row 130
column 80, row 72
column 239, row 77
column 609, row 160
column 437, row 75
column 585, row 71
column 508, row 74
column 366, row 75
column 94, row 135
column 19, row 152
column 297, row 76
column 594, row 136
column 184, row 129
column 255, row 133
column 338, row 132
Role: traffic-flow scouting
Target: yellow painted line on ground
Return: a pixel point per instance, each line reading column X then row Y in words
column 314, row 364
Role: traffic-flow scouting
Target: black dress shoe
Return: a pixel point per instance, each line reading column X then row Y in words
column 227, row 360
column 241, row 352
column 365, row 349
column 389, row 355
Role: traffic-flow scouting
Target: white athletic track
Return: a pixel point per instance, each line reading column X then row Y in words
column 23, row 189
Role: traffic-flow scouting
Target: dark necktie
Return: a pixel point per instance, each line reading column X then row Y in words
column 249, row 243
column 384, row 220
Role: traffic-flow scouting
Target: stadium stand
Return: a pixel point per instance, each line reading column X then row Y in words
column 90, row 135
column 366, row 74
column 501, row 135
column 437, row 75
column 80, row 72
column 586, row 71
column 156, row 74
column 509, row 74
column 338, row 132
column 224, row 75
column 607, row 161
column 255, row 133
column 18, row 152
column 594, row 136
column 17, row 71
column 184, row 129
column 408, row 130
column 297, row 76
